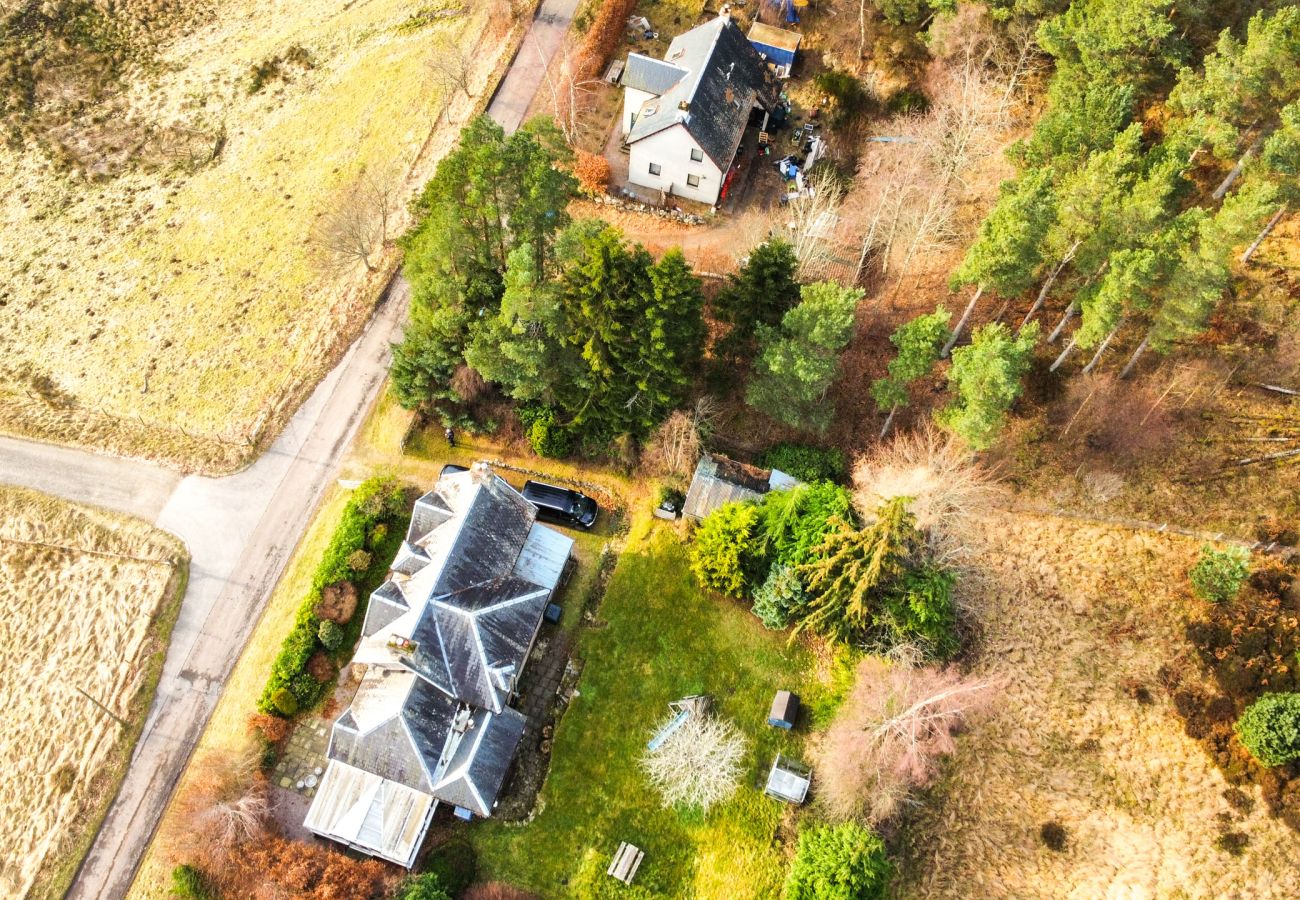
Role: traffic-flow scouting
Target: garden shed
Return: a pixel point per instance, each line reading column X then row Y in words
column 789, row 780
column 719, row 480
column 777, row 46
column 785, row 710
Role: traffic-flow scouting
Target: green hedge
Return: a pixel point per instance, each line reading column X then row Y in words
column 378, row 501
column 806, row 463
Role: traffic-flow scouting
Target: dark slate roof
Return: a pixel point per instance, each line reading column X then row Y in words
column 404, row 748
column 477, row 770
column 430, row 512
column 462, row 637
column 410, row 559
column 386, row 604
column 726, row 78
column 654, row 76
column 720, row 480
column 490, row 538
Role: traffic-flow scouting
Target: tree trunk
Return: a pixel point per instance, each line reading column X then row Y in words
column 1047, row 285
column 889, row 420
column 1060, row 326
column 1064, row 353
column 1277, row 217
column 1235, row 173
column 961, row 323
column 1102, row 349
column 1141, row 348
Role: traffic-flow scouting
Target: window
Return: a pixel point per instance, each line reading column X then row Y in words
column 697, row 156
column 656, row 169
column 693, row 180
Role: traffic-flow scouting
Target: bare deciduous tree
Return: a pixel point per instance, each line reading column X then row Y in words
column 814, row 227
column 452, row 62
column 358, row 227
column 675, row 447
column 223, row 805
column 570, row 95
column 947, row 485
column 889, row 735
column 699, row 764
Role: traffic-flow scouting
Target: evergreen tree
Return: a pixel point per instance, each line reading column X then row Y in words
column 1078, row 121
column 1008, row 249
column 1115, row 42
column 798, row 362
column 985, row 378
column 763, row 291
column 423, row 363
column 919, row 342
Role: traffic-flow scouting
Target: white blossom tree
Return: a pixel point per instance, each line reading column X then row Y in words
column 699, row 764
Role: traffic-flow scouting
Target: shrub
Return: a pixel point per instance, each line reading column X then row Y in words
column 359, row 560
column 779, row 596
column 1219, row 574
column 377, row 535
column 722, row 556
column 284, row 702
column 454, row 866
column 1270, row 729
column 338, row 602
column 805, row 463
column 188, row 883
column 272, row 729
column 427, row 886
column 1054, row 836
column 670, row 497
column 844, row 862
column 549, row 439
column 921, row 608
column 793, row 522
column 330, row 635
column 593, row 172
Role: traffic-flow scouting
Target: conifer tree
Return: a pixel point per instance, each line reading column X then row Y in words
column 763, row 291
column 919, row 342
column 986, row 380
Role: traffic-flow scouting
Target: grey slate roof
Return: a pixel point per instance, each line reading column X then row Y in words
column 477, row 769
column 494, row 530
column 407, row 745
column 654, row 76
column 726, row 77
column 386, row 603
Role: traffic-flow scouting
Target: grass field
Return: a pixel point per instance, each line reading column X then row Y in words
column 658, row 638
column 1077, row 621
column 90, row 599
column 177, row 312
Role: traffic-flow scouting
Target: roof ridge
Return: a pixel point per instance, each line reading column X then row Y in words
column 708, row 58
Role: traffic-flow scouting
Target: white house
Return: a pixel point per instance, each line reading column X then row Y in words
column 684, row 116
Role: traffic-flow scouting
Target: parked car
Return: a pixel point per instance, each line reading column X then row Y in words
column 451, row 468
column 561, row 505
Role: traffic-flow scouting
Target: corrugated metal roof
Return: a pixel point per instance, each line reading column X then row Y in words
column 718, row 481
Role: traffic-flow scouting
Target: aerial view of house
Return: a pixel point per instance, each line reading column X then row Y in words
column 650, row 449
column 443, row 644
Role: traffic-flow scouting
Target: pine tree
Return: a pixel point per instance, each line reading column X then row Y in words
column 1114, row 41
column 424, row 361
column 763, row 291
column 799, row 361
column 919, row 342
column 986, row 380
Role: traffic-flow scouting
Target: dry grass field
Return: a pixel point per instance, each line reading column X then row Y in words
column 1078, row 619
column 169, row 305
column 90, row 598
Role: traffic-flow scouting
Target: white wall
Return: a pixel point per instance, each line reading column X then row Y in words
column 671, row 150
column 632, row 100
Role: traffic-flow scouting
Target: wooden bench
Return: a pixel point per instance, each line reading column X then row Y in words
column 626, row 861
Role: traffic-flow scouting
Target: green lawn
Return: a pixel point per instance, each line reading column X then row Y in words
column 659, row 639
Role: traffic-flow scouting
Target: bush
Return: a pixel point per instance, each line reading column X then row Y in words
column 338, row 602
column 284, row 702
column 1219, row 574
column 188, row 883
column 593, row 172
column 423, row 887
column 1270, row 729
column 723, row 554
column 779, row 596
column 330, row 635
column 845, row 862
column 793, row 522
column 375, row 501
column 921, row 608
column 454, row 866
column 547, row 438
column 670, row 497
column 806, row 463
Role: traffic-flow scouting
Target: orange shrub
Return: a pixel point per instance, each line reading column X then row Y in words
column 593, row 172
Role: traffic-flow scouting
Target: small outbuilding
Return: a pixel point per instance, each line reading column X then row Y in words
column 777, row 46
column 719, row 480
column 785, row 710
column 789, row 780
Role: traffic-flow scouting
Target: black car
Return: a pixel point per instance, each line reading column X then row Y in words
column 561, row 505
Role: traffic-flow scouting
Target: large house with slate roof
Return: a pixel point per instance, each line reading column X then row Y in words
column 443, row 644
column 684, row 116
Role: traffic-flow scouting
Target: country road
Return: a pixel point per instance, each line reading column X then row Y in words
column 240, row 529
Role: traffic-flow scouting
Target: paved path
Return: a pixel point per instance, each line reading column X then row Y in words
column 240, row 529
column 527, row 74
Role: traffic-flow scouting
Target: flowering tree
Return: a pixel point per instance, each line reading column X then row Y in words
column 699, row 764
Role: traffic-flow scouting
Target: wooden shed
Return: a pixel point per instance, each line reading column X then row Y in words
column 785, row 710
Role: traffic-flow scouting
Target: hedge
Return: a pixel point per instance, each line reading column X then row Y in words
column 290, row 688
column 808, row 464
